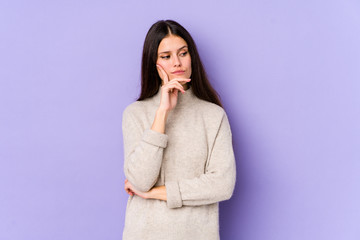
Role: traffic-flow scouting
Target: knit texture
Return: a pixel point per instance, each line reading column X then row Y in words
column 194, row 159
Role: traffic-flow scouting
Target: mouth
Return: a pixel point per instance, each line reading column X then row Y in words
column 178, row 72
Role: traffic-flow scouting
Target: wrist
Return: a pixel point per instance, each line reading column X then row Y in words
column 162, row 113
column 152, row 193
column 157, row 193
column 160, row 121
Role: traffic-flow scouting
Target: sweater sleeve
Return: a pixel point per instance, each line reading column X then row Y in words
column 143, row 153
column 216, row 184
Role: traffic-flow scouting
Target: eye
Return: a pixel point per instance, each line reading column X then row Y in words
column 165, row 57
column 183, row 54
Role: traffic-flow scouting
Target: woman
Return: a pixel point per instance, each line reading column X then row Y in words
column 179, row 161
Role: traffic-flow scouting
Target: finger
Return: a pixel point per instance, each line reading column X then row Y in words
column 171, row 87
column 182, row 80
column 128, row 190
column 182, row 83
column 175, row 83
column 164, row 74
column 172, row 82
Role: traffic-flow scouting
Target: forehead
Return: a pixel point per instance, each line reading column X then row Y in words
column 171, row 43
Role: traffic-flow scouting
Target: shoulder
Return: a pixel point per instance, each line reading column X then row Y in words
column 214, row 117
column 133, row 107
column 211, row 110
column 136, row 109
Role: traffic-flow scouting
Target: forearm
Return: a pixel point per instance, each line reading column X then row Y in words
column 160, row 121
column 157, row 193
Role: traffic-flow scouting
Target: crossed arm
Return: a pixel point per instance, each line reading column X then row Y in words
column 214, row 185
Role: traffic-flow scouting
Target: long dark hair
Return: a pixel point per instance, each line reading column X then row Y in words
column 150, row 79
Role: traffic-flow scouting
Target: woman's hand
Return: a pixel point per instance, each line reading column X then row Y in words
column 170, row 89
column 129, row 188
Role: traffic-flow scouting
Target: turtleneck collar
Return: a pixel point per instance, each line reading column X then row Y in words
column 184, row 99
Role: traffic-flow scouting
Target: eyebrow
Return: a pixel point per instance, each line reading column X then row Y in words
column 177, row 50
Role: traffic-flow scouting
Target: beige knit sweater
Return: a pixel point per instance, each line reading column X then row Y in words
column 194, row 159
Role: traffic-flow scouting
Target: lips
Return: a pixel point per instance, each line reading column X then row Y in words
column 178, row 72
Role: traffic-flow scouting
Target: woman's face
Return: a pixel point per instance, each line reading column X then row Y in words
column 173, row 56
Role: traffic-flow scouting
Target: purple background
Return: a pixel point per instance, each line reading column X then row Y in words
column 288, row 73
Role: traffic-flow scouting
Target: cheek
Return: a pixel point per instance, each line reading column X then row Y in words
column 164, row 65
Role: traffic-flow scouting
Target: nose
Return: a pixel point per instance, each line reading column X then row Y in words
column 177, row 61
